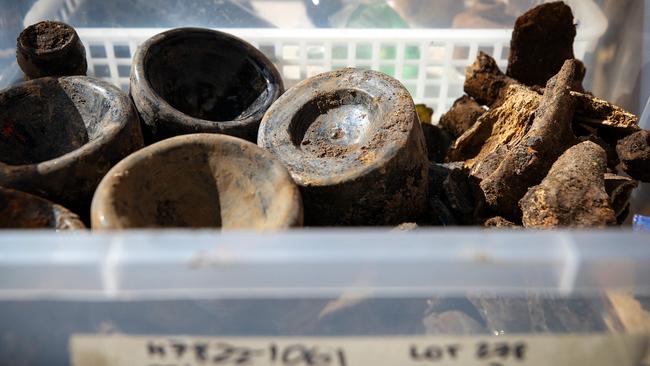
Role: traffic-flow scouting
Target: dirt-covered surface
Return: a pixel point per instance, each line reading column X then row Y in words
column 353, row 142
column 462, row 116
column 50, row 48
column 541, row 41
column 527, row 162
column 47, row 36
column 198, row 180
column 573, row 192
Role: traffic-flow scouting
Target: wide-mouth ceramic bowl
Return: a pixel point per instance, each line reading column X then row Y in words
column 19, row 210
column 190, row 80
column 59, row 136
column 198, row 180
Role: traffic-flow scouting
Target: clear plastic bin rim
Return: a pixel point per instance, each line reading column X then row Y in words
column 319, row 263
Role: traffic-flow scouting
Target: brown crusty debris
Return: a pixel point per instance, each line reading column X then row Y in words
column 634, row 152
column 456, row 196
column 612, row 157
column 501, row 128
column 499, row 222
column 597, row 112
column 619, row 189
column 573, row 193
column 527, row 162
column 461, row 116
column 541, row 41
column 485, row 82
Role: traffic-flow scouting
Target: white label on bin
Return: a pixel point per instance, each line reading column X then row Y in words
column 520, row 350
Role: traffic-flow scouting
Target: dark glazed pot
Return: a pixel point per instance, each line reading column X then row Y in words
column 199, row 180
column 59, row 136
column 19, row 210
column 352, row 141
column 50, row 48
column 190, row 80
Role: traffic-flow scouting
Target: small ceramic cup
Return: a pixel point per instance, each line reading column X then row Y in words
column 198, row 180
column 352, row 141
column 50, row 48
column 191, row 80
column 19, row 210
column 59, row 136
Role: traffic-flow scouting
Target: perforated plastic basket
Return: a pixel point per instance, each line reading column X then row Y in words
column 429, row 62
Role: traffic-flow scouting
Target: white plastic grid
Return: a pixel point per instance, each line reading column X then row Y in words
column 429, row 62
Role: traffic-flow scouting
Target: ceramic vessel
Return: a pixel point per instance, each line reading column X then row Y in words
column 59, row 136
column 191, row 80
column 352, row 141
column 198, row 180
column 19, row 210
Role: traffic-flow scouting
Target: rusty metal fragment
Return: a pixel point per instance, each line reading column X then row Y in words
column 619, row 189
column 573, row 193
column 462, row 115
column 406, row 226
column 485, row 82
column 634, row 152
column 542, row 40
column 499, row 222
column 487, row 85
column 497, row 129
column 597, row 112
column 528, row 161
column 438, row 142
column 612, row 156
column 454, row 195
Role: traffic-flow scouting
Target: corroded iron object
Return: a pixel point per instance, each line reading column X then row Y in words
column 50, row 48
column 198, row 180
column 19, row 210
column 59, row 136
column 353, row 143
column 190, row 80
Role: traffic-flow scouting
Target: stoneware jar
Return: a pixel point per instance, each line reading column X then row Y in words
column 50, row 48
column 19, row 210
column 352, row 141
column 59, row 136
column 190, row 80
column 198, row 180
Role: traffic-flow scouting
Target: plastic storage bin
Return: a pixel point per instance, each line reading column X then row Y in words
column 138, row 298
column 317, row 286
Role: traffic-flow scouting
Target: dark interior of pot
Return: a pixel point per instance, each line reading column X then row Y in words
column 196, row 186
column 207, row 76
column 334, row 123
column 46, row 118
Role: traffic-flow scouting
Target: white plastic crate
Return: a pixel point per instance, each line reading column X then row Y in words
column 429, row 62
